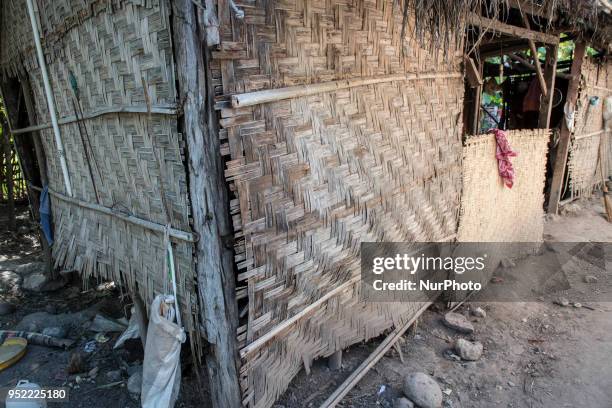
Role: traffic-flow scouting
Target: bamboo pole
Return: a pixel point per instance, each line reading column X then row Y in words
column 157, row 109
column 150, row 225
column 274, row 95
column 50, row 101
column 372, row 359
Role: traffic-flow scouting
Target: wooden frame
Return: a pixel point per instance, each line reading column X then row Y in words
column 565, row 133
column 487, row 23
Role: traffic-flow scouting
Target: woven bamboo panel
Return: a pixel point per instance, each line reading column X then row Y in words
column 491, row 212
column 583, row 162
column 120, row 55
column 314, row 176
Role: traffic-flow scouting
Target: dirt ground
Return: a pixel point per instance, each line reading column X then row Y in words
column 536, row 354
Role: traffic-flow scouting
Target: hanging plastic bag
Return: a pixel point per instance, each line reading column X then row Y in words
column 161, row 371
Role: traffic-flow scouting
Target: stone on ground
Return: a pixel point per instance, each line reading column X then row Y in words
column 479, row 312
column 458, row 322
column 57, row 332
column 35, row 282
column 467, row 350
column 403, row 403
column 10, row 281
column 6, row 308
column 590, row 279
column 423, row 390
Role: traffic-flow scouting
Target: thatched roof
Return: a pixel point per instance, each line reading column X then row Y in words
column 438, row 22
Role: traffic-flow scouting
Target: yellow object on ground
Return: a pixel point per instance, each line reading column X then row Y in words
column 11, row 351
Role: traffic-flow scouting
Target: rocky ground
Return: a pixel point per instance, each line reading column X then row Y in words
column 541, row 353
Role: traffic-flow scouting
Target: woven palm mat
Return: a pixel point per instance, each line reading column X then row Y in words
column 583, row 162
column 491, row 212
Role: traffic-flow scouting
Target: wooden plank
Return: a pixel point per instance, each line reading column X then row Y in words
column 372, row 359
column 550, row 73
column 495, row 25
column 472, row 73
column 209, row 204
column 564, row 135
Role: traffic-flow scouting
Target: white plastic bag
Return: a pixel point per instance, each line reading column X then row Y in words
column 132, row 331
column 161, row 371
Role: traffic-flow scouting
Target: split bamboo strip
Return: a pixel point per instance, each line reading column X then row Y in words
column 173, row 232
column 159, row 110
column 279, row 94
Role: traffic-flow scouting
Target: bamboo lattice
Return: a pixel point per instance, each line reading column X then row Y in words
column 316, row 175
column 118, row 54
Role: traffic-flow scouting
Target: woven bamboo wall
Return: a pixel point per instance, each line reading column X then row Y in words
column 491, row 212
column 314, row 176
column 583, row 162
column 121, row 57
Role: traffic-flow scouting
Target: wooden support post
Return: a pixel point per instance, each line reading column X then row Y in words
column 550, row 71
column 335, row 361
column 42, row 170
column 8, row 163
column 209, row 205
column 536, row 59
column 475, row 125
column 565, row 133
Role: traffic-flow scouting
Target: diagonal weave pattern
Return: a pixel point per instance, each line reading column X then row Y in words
column 583, row 162
column 121, row 56
column 314, row 176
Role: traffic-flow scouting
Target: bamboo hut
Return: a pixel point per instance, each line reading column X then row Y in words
column 264, row 141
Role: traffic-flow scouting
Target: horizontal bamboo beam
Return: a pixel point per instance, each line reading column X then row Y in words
column 273, row 95
column 158, row 110
column 495, row 25
column 150, row 225
column 587, row 135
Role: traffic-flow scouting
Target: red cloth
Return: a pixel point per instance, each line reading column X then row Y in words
column 503, row 153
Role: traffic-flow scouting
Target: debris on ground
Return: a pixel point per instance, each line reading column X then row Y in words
column 458, row 322
column 590, row 279
column 76, row 364
column 423, row 390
